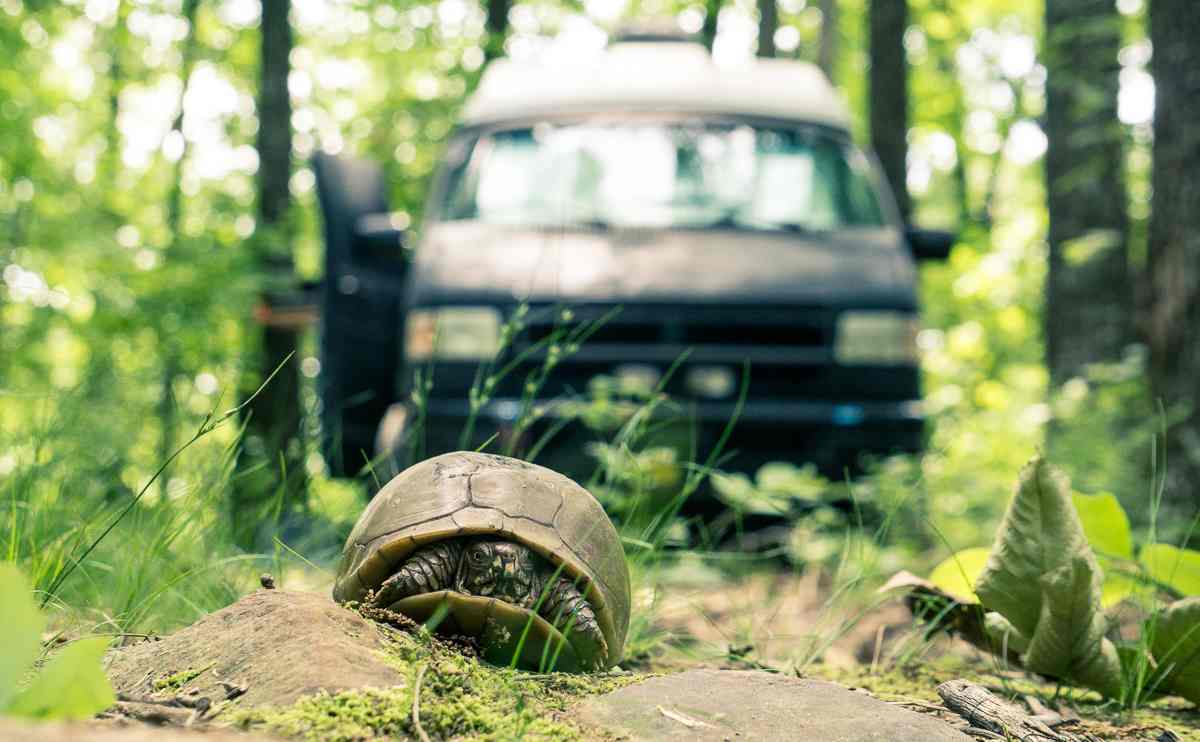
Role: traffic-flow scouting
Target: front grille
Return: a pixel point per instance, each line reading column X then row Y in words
column 749, row 335
column 698, row 327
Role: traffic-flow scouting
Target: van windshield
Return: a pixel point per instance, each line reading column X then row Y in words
column 663, row 175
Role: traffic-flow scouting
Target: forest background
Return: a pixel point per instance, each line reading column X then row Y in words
column 156, row 201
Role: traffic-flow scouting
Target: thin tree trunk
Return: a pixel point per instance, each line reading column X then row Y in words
column 888, row 93
column 712, row 15
column 768, row 24
column 111, row 162
column 274, row 448
column 496, row 27
column 827, row 49
column 1089, row 295
column 1171, row 314
column 168, row 412
column 274, row 115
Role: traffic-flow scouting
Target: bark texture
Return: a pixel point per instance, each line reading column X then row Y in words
column 1089, row 290
column 983, row 710
column 1171, row 315
column 888, row 94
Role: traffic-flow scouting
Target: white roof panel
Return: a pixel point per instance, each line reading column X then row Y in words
column 643, row 76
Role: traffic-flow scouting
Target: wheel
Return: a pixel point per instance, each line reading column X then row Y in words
column 360, row 314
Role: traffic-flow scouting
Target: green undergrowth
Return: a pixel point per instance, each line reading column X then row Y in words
column 460, row 697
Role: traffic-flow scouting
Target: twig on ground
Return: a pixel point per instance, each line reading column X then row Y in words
column 984, row 710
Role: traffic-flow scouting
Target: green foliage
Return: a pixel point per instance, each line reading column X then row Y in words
column 23, row 626
column 1043, row 579
column 1176, row 647
column 958, row 573
column 71, row 684
column 1105, row 524
column 778, row 488
column 1176, row 568
column 1044, row 592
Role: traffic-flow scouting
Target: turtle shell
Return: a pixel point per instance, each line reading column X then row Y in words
column 467, row 494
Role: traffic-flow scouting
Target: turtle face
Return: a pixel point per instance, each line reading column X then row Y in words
column 501, row 570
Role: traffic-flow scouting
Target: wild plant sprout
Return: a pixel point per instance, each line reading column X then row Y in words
column 1040, row 597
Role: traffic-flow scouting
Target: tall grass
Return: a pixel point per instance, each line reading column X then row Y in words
column 111, row 558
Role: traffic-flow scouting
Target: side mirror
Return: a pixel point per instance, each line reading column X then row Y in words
column 929, row 244
column 378, row 240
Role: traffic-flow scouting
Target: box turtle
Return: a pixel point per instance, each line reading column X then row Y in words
column 512, row 553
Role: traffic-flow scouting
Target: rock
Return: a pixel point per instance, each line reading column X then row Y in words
column 13, row 730
column 720, row 705
column 278, row 645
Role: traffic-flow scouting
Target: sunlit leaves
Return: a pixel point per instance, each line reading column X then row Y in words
column 957, row 574
column 1043, row 578
column 71, row 685
column 1176, row 647
column 1105, row 524
column 1176, row 568
column 23, row 626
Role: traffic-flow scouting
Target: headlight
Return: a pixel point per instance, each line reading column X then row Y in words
column 452, row 334
column 876, row 338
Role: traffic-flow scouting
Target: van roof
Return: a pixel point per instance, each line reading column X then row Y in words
column 656, row 76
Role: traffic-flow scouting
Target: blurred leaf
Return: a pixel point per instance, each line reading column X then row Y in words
column 1172, row 566
column 72, row 685
column 738, row 492
column 23, row 625
column 1118, row 586
column 1176, row 647
column 957, row 574
column 1105, row 524
column 1043, row 578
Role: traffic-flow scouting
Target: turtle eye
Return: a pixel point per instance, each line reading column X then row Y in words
column 478, row 557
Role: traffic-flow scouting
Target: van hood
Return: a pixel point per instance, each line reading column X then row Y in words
column 470, row 262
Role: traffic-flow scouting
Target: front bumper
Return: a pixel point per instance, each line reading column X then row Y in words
column 832, row 435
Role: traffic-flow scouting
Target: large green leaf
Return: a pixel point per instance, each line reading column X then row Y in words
column 72, row 685
column 1172, row 566
column 1176, row 648
column 22, row 628
column 1105, row 524
column 957, row 574
column 1044, row 579
column 1069, row 640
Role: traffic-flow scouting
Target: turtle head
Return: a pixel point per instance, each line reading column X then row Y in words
column 499, row 569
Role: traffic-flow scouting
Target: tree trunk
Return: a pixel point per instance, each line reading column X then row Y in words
column 273, row 454
column 1171, row 309
column 274, row 114
column 888, row 93
column 496, row 26
column 827, row 49
column 712, row 14
column 768, row 24
column 1089, row 296
column 168, row 408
